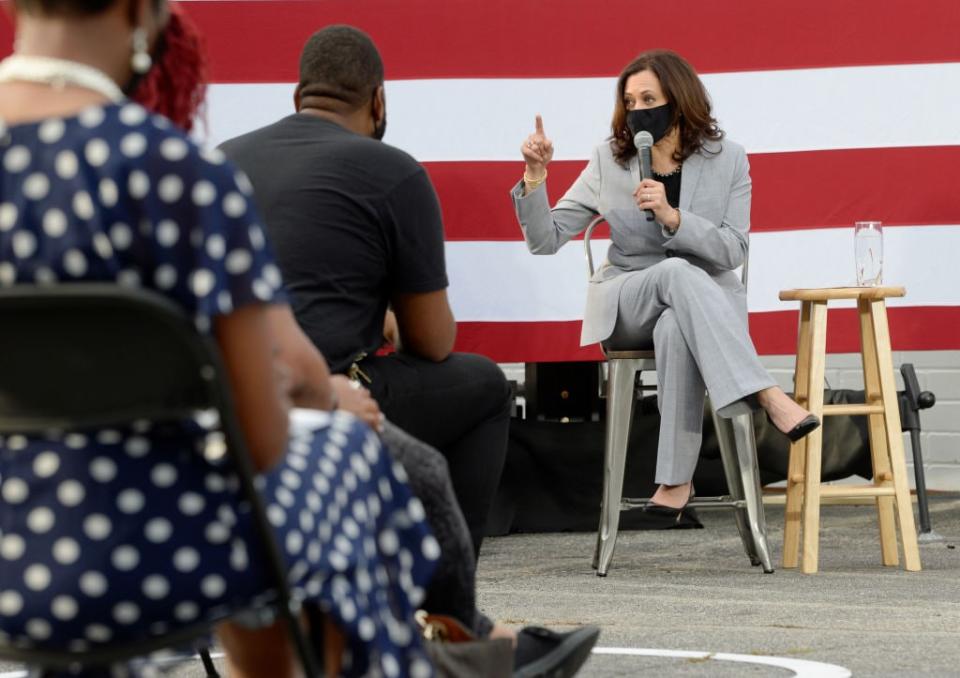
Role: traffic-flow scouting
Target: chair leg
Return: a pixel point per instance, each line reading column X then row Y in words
column 731, row 469
column 208, row 664
column 746, row 447
column 620, row 398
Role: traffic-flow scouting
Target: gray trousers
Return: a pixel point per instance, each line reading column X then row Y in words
column 702, row 344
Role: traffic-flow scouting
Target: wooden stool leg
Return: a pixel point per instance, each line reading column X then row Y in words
column 811, row 480
column 879, row 450
column 798, row 450
column 898, row 465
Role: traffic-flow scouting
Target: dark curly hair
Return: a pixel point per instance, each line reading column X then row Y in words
column 683, row 88
column 176, row 85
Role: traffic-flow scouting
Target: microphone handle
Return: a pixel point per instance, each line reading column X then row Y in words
column 646, row 171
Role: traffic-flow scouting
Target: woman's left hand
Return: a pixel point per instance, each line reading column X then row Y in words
column 651, row 195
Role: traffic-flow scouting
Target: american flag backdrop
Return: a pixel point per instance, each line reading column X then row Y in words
column 849, row 109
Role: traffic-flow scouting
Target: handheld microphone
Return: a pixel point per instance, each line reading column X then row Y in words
column 644, row 143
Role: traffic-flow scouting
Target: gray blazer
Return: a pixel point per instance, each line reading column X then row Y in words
column 714, row 221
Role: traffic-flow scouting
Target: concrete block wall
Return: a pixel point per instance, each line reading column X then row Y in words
column 938, row 371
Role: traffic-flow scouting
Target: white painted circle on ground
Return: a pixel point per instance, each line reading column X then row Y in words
column 801, row 668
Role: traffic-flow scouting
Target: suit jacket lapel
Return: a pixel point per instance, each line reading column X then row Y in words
column 689, row 179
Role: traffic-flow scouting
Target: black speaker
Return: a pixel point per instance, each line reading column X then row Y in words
column 563, row 391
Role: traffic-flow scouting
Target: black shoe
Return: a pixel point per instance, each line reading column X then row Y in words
column 808, row 425
column 546, row 653
column 659, row 517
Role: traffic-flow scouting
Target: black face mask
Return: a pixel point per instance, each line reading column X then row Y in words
column 380, row 128
column 654, row 120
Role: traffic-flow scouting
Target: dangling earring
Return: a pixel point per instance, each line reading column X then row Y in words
column 141, row 61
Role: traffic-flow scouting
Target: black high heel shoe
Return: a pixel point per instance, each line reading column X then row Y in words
column 810, row 424
column 660, row 517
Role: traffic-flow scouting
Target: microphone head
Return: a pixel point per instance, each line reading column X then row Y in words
column 643, row 139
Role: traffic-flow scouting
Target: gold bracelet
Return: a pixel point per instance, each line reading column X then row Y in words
column 673, row 231
column 533, row 183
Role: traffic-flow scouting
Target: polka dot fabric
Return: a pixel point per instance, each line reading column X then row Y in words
column 115, row 194
column 115, row 534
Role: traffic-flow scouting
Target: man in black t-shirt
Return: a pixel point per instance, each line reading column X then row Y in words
column 357, row 228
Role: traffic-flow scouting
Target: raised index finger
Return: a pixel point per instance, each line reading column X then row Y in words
column 539, row 125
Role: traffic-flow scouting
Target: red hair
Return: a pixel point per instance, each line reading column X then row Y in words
column 176, row 85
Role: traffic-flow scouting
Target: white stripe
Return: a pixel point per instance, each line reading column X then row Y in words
column 502, row 281
column 767, row 111
column 801, row 668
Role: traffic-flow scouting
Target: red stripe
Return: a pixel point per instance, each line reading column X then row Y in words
column 261, row 41
column 849, row 185
column 930, row 328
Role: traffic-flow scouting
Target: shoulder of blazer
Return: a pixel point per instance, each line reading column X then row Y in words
column 604, row 153
column 726, row 149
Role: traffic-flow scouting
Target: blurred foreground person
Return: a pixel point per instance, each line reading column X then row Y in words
column 115, row 534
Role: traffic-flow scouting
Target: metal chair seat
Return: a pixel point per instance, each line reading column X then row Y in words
column 628, row 355
column 738, row 451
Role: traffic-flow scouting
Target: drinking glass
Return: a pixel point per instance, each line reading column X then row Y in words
column 868, row 252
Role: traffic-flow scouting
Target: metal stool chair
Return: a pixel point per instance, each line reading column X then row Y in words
column 890, row 486
column 738, row 451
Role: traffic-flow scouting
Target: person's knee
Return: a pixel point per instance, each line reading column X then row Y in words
column 487, row 376
column 427, row 470
column 678, row 271
column 666, row 330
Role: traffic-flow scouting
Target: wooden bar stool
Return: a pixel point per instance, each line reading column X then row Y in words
column 890, row 487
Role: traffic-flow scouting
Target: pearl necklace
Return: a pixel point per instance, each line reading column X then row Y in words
column 58, row 73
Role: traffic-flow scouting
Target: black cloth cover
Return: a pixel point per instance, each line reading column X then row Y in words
column 553, row 476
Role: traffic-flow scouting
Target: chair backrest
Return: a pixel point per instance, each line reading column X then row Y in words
column 744, row 269
column 87, row 355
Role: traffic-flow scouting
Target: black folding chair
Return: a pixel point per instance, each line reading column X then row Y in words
column 85, row 355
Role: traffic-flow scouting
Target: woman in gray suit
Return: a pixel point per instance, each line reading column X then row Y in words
column 669, row 281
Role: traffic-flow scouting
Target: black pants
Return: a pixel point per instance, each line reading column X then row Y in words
column 461, row 406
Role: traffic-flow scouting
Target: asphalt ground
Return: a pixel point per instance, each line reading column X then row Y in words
column 694, row 591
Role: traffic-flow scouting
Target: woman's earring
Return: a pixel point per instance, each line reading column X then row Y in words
column 141, row 61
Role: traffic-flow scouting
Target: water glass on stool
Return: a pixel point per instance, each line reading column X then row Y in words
column 868, row 253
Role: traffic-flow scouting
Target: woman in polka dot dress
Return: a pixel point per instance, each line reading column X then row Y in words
column 115, row 534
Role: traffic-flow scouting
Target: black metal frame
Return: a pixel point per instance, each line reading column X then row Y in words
column 148, row 329
column 912, row 400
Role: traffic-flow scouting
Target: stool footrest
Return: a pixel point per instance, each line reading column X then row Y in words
column 841, row 410
column 725, row 501
column 856, row 491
